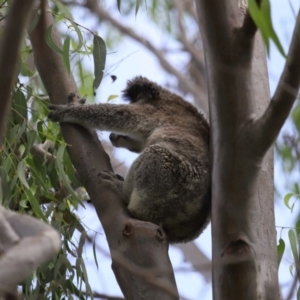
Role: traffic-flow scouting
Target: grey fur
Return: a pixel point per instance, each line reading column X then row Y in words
column 169, row 183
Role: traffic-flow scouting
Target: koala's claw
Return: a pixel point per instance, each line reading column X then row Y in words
column 114, row 181
column 56, row 115
column 107, row 175
column 72, row 99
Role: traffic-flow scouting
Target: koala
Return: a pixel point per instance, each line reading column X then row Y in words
column 169, row 183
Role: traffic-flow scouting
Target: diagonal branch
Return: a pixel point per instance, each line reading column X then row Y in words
column 9, row 55
column 269, row 124
column 137, row 243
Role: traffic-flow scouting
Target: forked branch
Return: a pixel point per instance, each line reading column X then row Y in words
column 134, row 241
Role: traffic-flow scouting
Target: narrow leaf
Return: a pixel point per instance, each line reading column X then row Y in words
column 21, row 173
column 81, row 244
column 31, row 137
column 111, row 97
column 119, row 5
column 95, row 254
column 35, row 205
column 60, row 166
column 99, row 53
column 50, row 42
column 137, row 6
column 262, row 18
column 19, row 107
column 286, row 200
column 66, row 57
column 293, row 243
column 280, row 250
column 79, row 35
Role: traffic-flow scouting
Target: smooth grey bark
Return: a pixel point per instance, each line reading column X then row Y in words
column 244, row 124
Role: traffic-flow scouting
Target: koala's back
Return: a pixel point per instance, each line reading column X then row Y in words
column 169, row 183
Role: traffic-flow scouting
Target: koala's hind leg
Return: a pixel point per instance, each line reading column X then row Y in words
column 113, row 181
column 152, row 185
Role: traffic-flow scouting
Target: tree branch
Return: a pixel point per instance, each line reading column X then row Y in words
column 138, row 243
column 9, row 55
column 269, row 124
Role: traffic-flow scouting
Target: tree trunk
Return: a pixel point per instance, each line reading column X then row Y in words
column 243, row 228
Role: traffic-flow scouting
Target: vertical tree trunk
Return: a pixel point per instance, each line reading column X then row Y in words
column 243, row 229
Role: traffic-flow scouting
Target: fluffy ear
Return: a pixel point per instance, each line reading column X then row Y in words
column 141, row 88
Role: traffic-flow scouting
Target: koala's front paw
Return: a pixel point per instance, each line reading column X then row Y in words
column 58, row 112
column 114, row 181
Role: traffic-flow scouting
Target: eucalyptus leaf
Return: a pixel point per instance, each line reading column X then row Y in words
column 66, row 56
column 99, row 54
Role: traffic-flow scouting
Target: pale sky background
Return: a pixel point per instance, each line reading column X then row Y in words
column 141, row 62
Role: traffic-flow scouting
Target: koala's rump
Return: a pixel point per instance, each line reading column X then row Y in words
column 167, row 188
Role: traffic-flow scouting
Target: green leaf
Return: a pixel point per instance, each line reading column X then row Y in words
column 3, row 184
column 86, row 280
column 79, row 35
column 81, row 244
column 34, row 22
column 95, row 254
column 99, row 53
column 39, row 179
column 69, row 169
column 63, row 9
column 23, row 203
column 19, row 107
column 262, row 18
column 119, row 5
column 293, row 243
column 50, row 42
column 60, row 166
column 111, row 97
column 298, row 227
column 137, row 6
column 21, row 173
column 31, row 137
column 286, row 200
column 66, row 56
column 280, row 250
column 35, row 205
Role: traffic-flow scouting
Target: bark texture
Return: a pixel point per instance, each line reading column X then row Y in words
column 244, row 124
column 9, row 55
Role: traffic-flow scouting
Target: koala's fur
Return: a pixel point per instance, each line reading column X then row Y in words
column 169, row 183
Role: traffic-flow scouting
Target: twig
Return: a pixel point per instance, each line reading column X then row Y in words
column 41, row 150
column 189, row 47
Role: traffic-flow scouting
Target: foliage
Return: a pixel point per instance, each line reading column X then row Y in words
column 37, row 176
